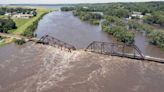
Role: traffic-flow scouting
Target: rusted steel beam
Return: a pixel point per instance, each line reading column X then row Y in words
column 55, row 42
column 114, row 49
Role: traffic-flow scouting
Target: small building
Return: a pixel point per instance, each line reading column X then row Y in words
column 101, row 13
column 148, row 14
column 137, row 15
column 8, row 14
column 129, row 18
column 85, row 7
column 23, row 16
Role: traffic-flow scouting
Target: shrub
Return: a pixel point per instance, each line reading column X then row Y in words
column 19, row 42
column 121, row 33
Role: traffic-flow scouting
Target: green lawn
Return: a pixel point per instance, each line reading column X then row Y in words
column 19, row 23
column 22, row 24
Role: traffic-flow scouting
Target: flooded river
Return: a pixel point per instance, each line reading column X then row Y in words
column 39, row 68
column 64, row 26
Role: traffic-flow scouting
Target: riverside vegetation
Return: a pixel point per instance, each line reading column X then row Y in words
column 20, row 26
column 32, row 27
column 120, row 21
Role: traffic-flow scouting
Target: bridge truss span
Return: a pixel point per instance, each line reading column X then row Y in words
column 49, row 40
column 115, row 49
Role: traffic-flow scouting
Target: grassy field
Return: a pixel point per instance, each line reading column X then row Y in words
column 19, row 23
column 22, row 24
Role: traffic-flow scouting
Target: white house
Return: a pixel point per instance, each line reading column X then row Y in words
column 23, row 16
column 137, row 15
column 101, row 13
column 148, row 14
column 85, row 7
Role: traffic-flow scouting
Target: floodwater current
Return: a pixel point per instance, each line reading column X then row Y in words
column 40, row 68
column 64, row 26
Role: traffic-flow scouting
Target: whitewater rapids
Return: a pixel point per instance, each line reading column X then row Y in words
column 41, row 68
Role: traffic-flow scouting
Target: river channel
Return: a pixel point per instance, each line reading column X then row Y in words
column 64, row 26
column 40, row 68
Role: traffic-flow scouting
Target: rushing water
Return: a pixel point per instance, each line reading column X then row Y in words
column 66, row 27
column 38, row 68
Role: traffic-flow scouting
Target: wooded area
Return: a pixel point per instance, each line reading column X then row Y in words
column 121, row 18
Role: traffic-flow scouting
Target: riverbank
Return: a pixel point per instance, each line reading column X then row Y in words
column 23, row 24
column 28, row 68
column 80, row 34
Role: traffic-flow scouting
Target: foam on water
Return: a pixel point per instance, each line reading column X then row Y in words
column 40, row 68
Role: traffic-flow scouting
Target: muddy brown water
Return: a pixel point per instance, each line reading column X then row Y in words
column 64, row 26
column 38, row 68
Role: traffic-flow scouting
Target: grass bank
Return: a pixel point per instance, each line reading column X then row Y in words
column 23, row 24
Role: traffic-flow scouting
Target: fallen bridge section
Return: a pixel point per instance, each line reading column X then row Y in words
column 49, row 40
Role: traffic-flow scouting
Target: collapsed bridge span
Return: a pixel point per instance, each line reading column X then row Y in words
column 106, row 48
column 49, row 40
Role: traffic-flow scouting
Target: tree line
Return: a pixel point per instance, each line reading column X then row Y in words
column 115, row 13
column 4, row 10
column 157, row 17
column 156, row 37
column 117, row 27
column 7, row 24
column 90, row 17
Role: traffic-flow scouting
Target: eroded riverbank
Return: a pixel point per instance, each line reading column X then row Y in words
column 38, row 68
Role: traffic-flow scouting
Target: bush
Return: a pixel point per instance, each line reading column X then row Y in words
column 67, row 8
column 157, row 38
column 120, row 33
column 7, row 24
column 92, row 18
column 19, row 42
